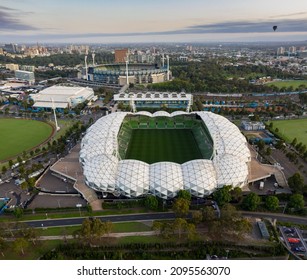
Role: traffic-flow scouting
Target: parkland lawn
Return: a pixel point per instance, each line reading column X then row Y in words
column 294, row 83
column 290, row 129
column 18, row 135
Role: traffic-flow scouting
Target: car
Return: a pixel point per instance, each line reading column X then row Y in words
column 289, row 230
column 293, row 240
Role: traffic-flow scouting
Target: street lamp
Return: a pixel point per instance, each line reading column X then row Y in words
column 79, row 206
column 227, row 251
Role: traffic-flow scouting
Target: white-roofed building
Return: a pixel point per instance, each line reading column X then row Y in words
column 104, row 170
column 62, row 97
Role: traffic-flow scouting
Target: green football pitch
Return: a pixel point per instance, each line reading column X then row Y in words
column 156, row 145
column 290, row 129
column 18, row 135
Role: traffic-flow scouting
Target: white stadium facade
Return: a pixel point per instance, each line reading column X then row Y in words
column 104, row 171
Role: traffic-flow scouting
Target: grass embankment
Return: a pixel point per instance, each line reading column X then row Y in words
column 117, row 228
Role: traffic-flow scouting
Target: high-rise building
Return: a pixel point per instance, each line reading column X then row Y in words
column 11, row 48
column 292, row 49
column 281, row 51
column 121, row 55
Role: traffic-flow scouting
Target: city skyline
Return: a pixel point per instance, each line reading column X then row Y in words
column 119, row 21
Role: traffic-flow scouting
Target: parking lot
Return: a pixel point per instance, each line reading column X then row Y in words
column 56, row 201
column 51, row 183
column 17, row 196
column 293, row 239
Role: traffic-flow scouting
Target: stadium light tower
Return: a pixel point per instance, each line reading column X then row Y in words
column 127, row 78
column 167, row 60
column 55, row 119
column 163, row 58
column 85, row 62
column 93, row 57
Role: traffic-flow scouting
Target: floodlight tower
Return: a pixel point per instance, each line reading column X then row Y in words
column 167, row 73
column 127, row 78
column 55, row 119
column 93, row 57
column 85, row 62
column 163, row 58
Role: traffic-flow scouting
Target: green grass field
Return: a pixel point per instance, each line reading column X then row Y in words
column 294, row 83
column 155, row 145
column 289, row 129
column 21, row 135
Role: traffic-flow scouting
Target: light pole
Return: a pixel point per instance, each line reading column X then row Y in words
column 79, row 206
column 227, row 251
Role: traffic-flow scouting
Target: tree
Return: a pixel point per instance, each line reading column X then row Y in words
column 184, row 194
column 197, row 217
column 86, row 230
column 108, row 227
column 179, row 225
column 4, row 169
column 236, row 194
column 294, row 142
column 272, row 203
column 20, row 244
column 30, row 234
column 222, row 196
column 296, row 201
column 151, row 202
column 260, row 144
column 181, row 207
column 209, row 214
column 24, row 185
column 268, row 151
column 296, row 182
column 18, row 212
column 97, row 228
column 251, row 202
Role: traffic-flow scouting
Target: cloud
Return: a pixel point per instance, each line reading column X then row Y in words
column 290, row 15
column 221, row 27
column 9, row 20
column 289, row 25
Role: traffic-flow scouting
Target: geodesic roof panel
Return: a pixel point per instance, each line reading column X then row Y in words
column 133, row 178
column 101, row 137
column 178, row 113
column 230, row 170
column 161, row 114
column 165, row 179
column 144, row 113
column 101, row 172
column 199, row 177
column 226, row 136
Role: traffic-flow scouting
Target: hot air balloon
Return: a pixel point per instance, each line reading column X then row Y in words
column 274, row 27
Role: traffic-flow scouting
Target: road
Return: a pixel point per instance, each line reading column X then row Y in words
column 154, row 216
column 279, row 217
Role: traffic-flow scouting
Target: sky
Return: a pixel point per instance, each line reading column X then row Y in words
column 133, row 21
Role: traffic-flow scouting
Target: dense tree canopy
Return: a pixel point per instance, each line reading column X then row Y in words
column 296, row 183
column 251, row 202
